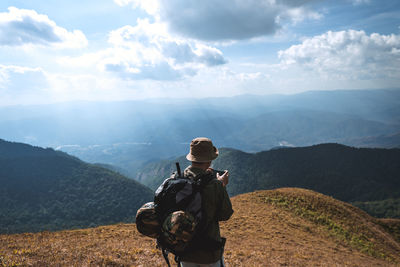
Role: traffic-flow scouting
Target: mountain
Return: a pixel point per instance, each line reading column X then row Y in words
column 282, row 227
column 376, row 105
column 43, row 189
column 128, row 134
column 303, row 128
column 383, row 141
column 295, row 128
column 387, row 208
column 347, row 173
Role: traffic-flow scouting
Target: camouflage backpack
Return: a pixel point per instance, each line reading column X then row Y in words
column 172, row 226
column 176, row 216
column 178, row 205
column 177, row 228
column 147, row 221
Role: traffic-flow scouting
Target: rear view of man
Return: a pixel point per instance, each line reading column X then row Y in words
column 216, row 203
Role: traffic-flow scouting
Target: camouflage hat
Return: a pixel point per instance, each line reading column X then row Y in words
column 178, row 229
column 202, row 150
column 147, row 221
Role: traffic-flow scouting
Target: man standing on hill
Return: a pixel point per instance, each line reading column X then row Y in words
column 216, row 203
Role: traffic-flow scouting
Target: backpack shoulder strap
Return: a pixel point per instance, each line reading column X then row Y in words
column 165, row 255
column 178, row 169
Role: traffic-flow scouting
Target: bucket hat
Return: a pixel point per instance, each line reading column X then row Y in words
column 202, row 150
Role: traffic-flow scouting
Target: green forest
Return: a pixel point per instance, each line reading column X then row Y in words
column 43, row 189
column 356, row 175
column 388, row 208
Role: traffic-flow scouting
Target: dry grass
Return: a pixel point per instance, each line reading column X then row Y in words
column 284, row 227
column 296, row 227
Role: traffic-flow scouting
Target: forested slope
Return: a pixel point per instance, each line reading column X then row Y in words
column 347, row 173
column 43, row 189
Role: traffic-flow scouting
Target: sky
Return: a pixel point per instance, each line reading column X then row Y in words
column 107, row 50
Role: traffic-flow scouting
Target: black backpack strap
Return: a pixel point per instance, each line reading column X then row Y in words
column 178, row 169
column 165, row 254
column 223, row 239
column 178, row 261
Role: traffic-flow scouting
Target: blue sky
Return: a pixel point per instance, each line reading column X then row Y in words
column 56, row 51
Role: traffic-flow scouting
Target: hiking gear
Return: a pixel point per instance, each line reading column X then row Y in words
column 147, row 222
column 217, row 206
column 189, row 207
column 178, row 203
column 184, row 216
column 179, row 228
column 202, row 150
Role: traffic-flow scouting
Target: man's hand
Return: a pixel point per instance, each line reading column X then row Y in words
column 224, row 178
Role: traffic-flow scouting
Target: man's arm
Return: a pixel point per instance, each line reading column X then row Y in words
column 225, row 210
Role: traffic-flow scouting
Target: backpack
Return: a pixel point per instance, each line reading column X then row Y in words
column 147, row 221
column 175, row 217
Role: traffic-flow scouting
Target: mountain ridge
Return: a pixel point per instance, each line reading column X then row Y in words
column 44, row 189
column 281, row 227
column 347, row 173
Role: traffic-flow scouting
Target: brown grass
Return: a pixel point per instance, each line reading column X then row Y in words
column 297, row 227
column 283, row 227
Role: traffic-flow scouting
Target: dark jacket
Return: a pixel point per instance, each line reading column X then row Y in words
column 217, row 207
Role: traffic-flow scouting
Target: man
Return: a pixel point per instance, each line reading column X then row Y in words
column 216, row 203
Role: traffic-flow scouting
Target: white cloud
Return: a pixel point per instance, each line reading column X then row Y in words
column 19, row 85
column 21, row 79
column 219, row 82
column 26, row 27
column 360, row 2
column 347, row 55
column 300, row 14
column 23, row 85
column 150, row 6
column 213, row 20
column 147, row 51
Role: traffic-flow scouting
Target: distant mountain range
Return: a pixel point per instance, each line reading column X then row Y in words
column 383, row 141
column 132, row 133
column 350, row 174
column 43, row 189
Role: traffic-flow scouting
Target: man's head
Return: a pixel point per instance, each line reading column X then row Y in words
column 202, row 150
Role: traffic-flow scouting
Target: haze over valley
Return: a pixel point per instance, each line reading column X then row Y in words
column 131, row 133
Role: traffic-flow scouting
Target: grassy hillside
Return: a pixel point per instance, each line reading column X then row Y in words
column 282, row 227
column 42, row 189
column 347, row 173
